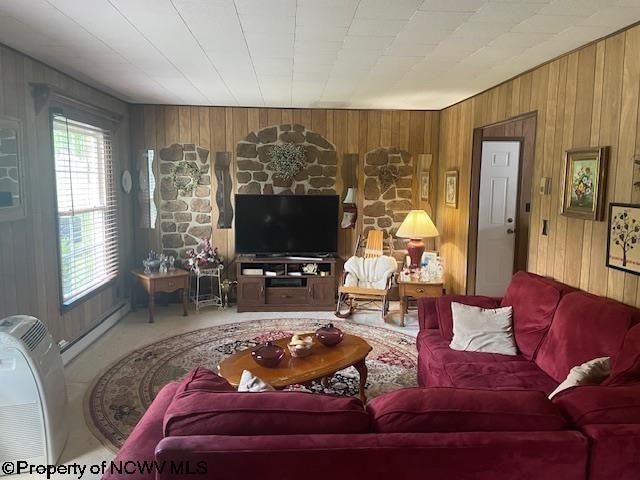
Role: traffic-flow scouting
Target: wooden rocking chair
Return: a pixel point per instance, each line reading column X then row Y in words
column 361, row 298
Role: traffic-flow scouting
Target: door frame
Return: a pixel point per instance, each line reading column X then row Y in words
column 525, row 170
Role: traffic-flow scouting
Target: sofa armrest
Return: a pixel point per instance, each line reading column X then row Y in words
column 427, row 313
column 141, row 444
column 614, row 451
column 599, row 405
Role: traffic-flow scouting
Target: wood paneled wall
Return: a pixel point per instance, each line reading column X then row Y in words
column 29, row 282
column 220, row 129
column 588, row 97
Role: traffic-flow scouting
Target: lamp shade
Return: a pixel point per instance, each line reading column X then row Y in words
column 350, row 197
column 417, row 224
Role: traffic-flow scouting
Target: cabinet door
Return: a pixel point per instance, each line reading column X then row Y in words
column 322, row 291
column 251, row 291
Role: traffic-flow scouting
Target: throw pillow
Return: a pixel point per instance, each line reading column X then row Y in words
column 477, row 329
column 250, row 383
column 593, row 372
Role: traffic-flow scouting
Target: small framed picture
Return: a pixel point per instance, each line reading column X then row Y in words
column 451, row 188
column 424, row 186
column 623, row 240
column 583, row 193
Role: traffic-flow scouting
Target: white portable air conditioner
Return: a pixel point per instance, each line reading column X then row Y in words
column 33, row 394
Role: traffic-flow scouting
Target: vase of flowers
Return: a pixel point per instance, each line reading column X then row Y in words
column 204, row 257
column 583, row 185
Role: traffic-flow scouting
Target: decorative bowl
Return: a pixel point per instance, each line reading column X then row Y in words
column 300, row 347
column 268, row 355
column 329, row 335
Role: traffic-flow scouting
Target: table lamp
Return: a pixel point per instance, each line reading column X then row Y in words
column 416, row 226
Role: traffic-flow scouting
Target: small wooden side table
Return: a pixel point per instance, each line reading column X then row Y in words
column 414, row 288
column 155, row 282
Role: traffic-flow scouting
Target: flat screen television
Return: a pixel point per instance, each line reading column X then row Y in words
column 301, row 225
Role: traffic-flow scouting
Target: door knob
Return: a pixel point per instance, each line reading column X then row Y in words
column 511, row 231
column 509, row 220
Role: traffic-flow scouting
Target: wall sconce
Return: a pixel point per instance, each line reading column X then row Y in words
column 349, row 209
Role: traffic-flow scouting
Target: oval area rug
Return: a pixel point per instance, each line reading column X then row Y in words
column 120, row 396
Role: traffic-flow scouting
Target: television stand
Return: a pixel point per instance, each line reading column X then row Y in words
column 280, row 285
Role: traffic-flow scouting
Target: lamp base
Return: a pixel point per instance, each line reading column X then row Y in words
column 415, row 248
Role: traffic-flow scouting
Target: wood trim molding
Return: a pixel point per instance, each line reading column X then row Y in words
column 44, row 94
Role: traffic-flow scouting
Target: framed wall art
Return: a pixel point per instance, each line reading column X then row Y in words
column 583, row 191
column 623, row 238
column 451, row 188
column 12, row 170
column 425, row 181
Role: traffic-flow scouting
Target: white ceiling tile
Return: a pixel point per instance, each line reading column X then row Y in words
column 389, row 10
column 366, row 26
column 547, row 23
column 505, row 12
column 270, row 8
column 366, row 43
column 615, row 17
column 452, row 5
column 332, row 53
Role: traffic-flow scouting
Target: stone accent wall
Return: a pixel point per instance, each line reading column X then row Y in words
column 385, row 206
column 9, row 165
column 184, row 219
column 255, row 176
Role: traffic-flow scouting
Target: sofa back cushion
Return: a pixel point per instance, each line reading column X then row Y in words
column 584, row 327
column 534, row 300
column 443, row 409
column 445, row 315
column 596, row 404
column 264, row 413
column 626, row 368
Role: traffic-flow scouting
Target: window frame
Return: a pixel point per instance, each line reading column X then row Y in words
column 86, row 117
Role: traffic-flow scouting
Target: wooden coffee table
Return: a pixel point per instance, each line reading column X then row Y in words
column 320, row 365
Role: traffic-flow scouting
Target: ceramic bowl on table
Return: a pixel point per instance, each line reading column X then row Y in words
column 300, row 346
column 329, row 335
column 268, row 355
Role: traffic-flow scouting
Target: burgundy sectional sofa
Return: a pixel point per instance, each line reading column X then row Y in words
column 477, row 416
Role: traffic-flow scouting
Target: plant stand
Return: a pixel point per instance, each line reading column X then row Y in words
column 212, row 298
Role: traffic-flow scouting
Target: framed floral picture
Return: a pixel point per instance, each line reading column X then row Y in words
column 424, row 186
column 623, row 241
column 583, row 193
column 451, row 188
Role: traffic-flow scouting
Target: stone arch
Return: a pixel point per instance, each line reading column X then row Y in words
column 253, row 172
column 387, row 203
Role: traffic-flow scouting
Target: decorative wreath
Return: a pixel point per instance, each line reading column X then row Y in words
column 388, row 174
column 191, row 170
column 287, row 160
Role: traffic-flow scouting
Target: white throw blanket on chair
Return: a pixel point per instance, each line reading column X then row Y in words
column 369, row 272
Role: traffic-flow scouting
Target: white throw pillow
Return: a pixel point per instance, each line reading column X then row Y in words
column 477, row 329
column 593, row 372
column 250, row 383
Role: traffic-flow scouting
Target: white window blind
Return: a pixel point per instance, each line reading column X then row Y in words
column 87, row 223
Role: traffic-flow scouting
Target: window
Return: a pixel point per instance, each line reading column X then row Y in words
column 86, row 202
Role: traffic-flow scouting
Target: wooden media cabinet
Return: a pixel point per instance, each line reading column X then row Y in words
column 284, row 291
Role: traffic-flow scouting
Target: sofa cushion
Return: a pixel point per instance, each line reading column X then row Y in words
column 435, row 354
column 584, row 327
column 202, row 379
column 426, row 410
column 626, row 368
column 445, row 316
column 596, row 404
column 534, row 300
column 264, row 413
column 477, row 329
column 518, row 374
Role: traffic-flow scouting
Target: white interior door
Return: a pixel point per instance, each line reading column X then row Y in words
column 497, row 216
